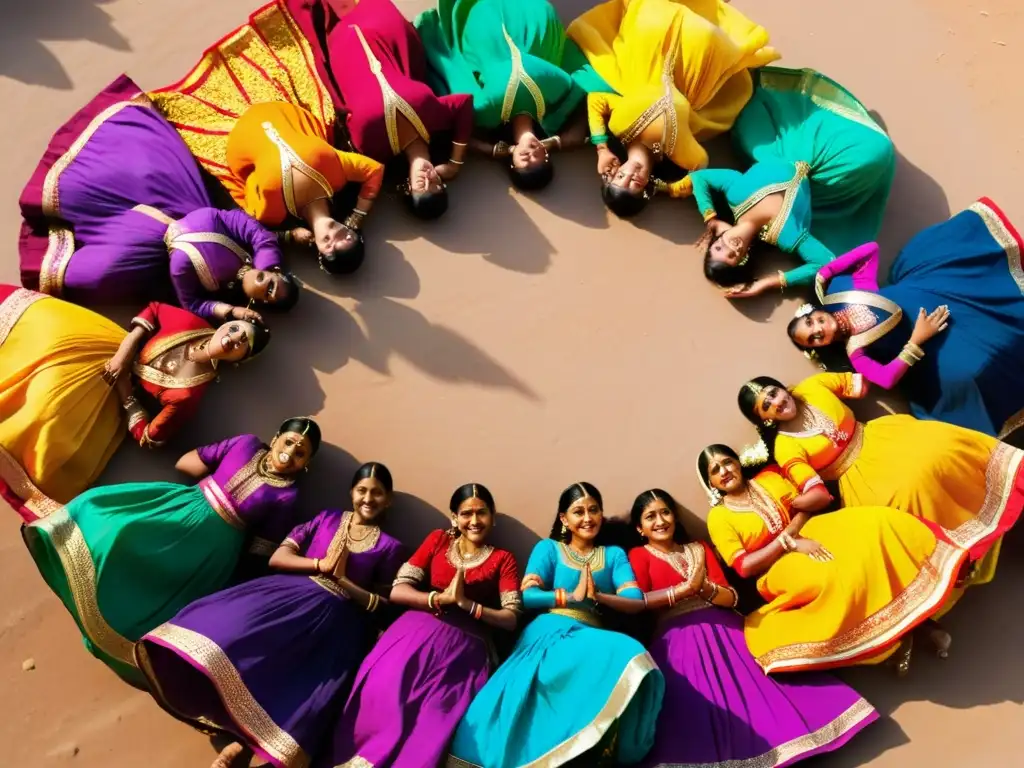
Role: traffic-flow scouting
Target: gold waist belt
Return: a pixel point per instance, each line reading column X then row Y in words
column 586, row 617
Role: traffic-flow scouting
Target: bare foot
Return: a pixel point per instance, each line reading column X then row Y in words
column 228, row 756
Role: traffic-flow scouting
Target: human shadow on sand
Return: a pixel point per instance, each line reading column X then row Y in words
column 378, row 328
column 27, row 27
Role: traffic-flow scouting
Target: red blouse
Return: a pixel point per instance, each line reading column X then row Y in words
column 655, row 570
column 492, row 577
column 170, row 329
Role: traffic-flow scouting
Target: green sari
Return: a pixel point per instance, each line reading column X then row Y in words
column 512, row 56
column 809, row 138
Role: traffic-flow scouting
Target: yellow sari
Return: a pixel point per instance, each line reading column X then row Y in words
column 890, row 572
column 967, row 482
column 61, row 422
column 679, row 69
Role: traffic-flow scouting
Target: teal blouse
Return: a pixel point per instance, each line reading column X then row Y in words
column 791, row 229
column 552, row 566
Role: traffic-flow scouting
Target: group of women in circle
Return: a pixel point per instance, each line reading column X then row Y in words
column 287, row 635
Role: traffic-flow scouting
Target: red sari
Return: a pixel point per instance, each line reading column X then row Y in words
column 374, row 65
column 171, row 330
column 492, row 578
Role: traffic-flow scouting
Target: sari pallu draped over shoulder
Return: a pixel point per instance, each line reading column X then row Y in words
column 685, row 62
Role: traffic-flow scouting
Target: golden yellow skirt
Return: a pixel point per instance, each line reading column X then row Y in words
column 890, row 572
column 965, row 481
column 61, row 422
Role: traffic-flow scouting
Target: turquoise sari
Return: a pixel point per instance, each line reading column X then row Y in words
column 570, row 688
column 512, row 56
column 810, row 139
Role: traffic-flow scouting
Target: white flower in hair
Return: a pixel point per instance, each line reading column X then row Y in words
column 803, row 310
column 754, row 455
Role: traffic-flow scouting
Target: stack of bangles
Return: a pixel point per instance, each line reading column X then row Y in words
column 714, row 592
column 911, row 353
column 374, row 602
column 432, row 605
column 476, row 611
column 355, row 219
column 561, row 598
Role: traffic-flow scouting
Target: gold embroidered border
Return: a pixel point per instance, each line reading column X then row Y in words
column 241, row 705
column 688, row 562
column 21, row 485
column 821, row 90
column 628, row 684
column 409, row 574
column 356, row 762
column 1002, row 235
column 157, row 347
column 511, row 600
column 868, row 299
column 1000, row 479
column 925, row 594
column 51, row 191
column 771, row 236
column 13, row 307
column 59, row 250
column 248, row 479
column 290, row 159
column 161, row 379
column 789, row 752
column 517, row 77
column 846, row 459
column 202, row 269
column 329, row 584
column 478, row 558
column 393, row 102
column 597, row 561
column 76, row 561
column 154, row 213
column 207, row 237
column 578, row 614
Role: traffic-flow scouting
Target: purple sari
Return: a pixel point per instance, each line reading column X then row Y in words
column 268, row 660
column 117, row 209
column 721, row 709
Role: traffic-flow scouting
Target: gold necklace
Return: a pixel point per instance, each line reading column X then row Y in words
column 263, row 468
column 580, row 558
column 369, row 532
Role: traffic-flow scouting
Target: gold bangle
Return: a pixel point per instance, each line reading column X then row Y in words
column 782, row 281
column 453, row 161
column 430, row 600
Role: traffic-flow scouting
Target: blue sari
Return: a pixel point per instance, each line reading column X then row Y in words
column 568, row 683
column 972, row 373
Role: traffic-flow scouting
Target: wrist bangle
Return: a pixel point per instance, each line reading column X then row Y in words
column 782, row 281
column 600, row 138
column 316, row 564
column 430, row 601
column 453, row 161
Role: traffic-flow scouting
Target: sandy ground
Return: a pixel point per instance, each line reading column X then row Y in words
column 528, row 342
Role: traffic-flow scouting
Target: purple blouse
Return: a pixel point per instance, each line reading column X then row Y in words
column 241, row 493
column 208, row 247
column 377, row 564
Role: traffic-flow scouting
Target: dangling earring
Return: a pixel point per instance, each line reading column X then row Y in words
column 454, row 530
column 715, row 497
column 769, row 422
column 564, row 529
column 306, row 468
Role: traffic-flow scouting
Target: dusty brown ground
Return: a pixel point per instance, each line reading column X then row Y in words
column 528, row 343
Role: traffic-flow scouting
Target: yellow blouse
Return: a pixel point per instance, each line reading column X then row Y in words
column 684, row 62
column 737, row 529
column 803, row 455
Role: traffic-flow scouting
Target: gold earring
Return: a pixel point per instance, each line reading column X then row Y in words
column 564, row 529
column 454, row 529
column 769, row 422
